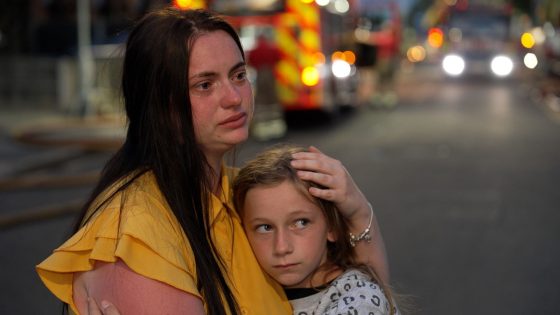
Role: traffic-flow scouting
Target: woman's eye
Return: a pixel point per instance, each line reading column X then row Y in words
column 203, row 86
column 241, row 76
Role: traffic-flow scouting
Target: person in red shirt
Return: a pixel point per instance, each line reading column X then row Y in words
column 268, row 122
column 387, row 49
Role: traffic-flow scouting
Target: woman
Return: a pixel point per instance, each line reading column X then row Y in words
column 158, row 234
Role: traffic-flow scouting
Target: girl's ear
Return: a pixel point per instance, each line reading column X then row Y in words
column 331, row 236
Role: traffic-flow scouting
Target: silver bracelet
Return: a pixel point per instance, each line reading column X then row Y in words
column 365, row 235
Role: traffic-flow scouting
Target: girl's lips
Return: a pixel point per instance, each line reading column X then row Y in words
column 234, row 121
column 284, row 266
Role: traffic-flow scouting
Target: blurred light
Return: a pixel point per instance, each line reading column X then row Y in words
column 341, row 68
column 538, row 35
column 310, row 76
column 322, row 2
column 349, row 57
column 416, row 53
column 435, row 37
column 341, row 6
column 307, row 1
column 530, row 60
column 361, row 34
column 549, row 30
column 319, row 58
column 501, row 66
column 189, row 4
column 183, row 4
column 453, row 65
column 527, row 40
column 337, row 55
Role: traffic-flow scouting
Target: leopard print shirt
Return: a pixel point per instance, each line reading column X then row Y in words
column 352, row 293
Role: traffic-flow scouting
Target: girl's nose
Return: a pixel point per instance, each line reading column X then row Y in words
column 282, row 243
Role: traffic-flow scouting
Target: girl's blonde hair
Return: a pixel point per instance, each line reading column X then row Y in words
column 273, row 167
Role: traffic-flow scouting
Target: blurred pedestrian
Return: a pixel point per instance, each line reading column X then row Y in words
column 268, row 122
column 387, row 44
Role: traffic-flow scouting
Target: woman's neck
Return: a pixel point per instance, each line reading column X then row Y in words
column 215, row 162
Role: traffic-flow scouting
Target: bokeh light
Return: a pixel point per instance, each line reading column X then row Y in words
column 501, row 66
column 435, row 37
column 530, row 60
column 341, row 68
column 310, row 76
column 527, row 40
column 416, row 53
column 453, row 65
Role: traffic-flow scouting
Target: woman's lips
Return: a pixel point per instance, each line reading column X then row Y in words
column 234, row 121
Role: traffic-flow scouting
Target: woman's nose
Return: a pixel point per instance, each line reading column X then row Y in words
column 232, row 95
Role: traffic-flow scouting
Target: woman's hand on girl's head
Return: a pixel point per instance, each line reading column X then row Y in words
column 317, row 167
column 340, row 188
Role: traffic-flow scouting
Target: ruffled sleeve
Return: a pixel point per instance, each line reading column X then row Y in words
column 140, row 230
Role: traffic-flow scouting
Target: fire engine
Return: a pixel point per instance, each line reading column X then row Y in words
column 315, row 38
column 475, row 38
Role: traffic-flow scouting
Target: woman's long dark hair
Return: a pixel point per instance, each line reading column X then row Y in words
column 161, row 136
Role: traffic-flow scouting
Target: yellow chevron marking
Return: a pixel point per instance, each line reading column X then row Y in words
column 285, row 94
column 310, row 40
column 288, row 72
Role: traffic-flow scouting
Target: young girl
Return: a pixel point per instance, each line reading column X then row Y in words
column 301, row 241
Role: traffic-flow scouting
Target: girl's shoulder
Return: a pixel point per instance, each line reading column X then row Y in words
column 356, row 292
column 354, row 280
column 354, row 274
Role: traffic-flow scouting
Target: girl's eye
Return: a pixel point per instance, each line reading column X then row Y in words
column 301, row 223
column 264, row 228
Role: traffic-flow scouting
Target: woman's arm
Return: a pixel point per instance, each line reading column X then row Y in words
column 341, row 189
column 106, row 308
column 130, row 292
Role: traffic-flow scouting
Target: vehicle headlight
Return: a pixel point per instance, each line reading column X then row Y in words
column 530, row 60
column 501, row 66
column 341, row 69
column 453, row 65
